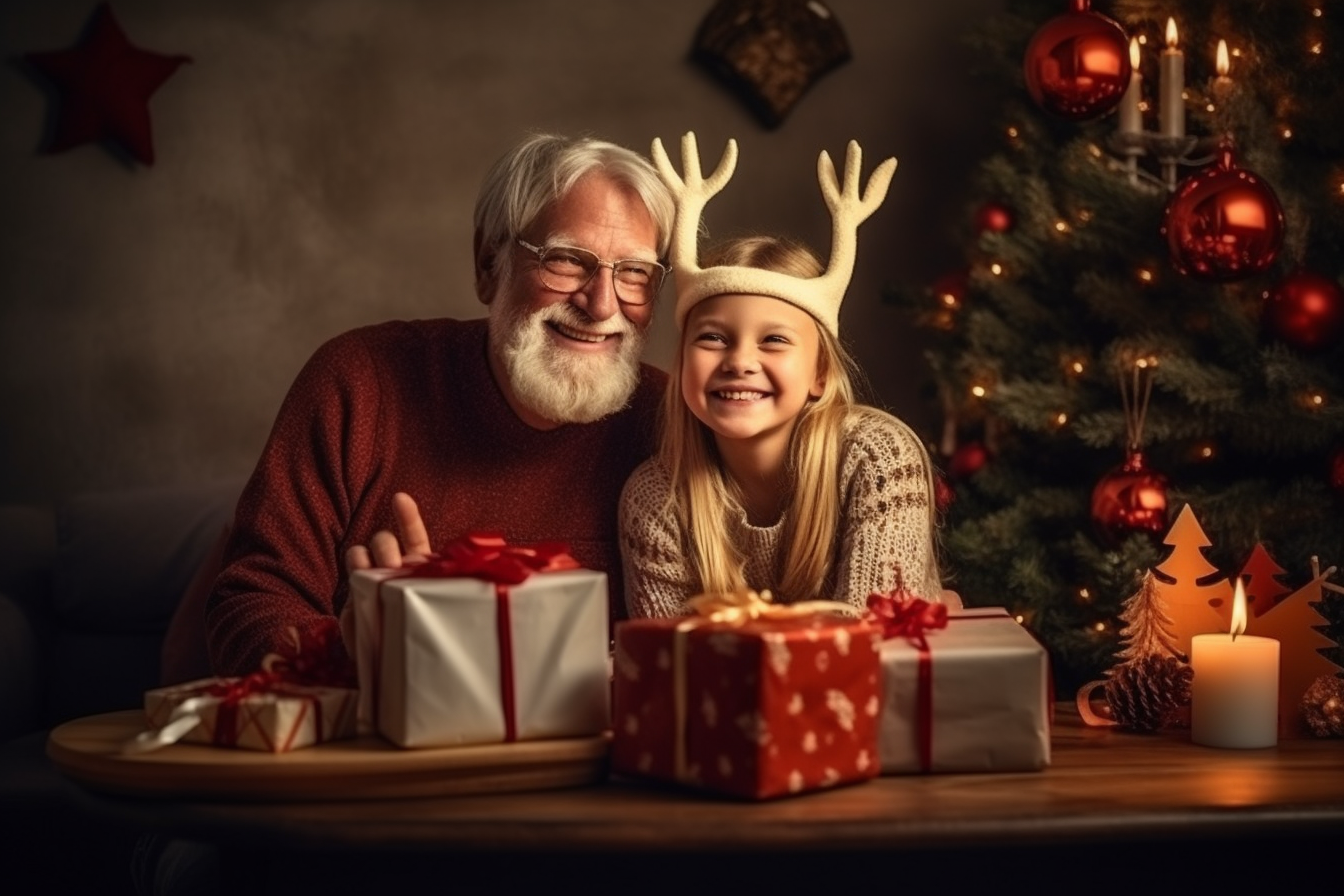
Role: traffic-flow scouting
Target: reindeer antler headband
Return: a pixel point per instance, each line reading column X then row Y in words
column 819, row 296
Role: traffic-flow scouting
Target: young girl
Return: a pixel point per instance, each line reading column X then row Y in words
column 769, row 475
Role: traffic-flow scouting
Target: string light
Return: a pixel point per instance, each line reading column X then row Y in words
column 1062, row 226
column 1061, row 418
column 996, row 269
column 1084, row 595
column 1099, row 627
column 979, row 391
column 1146, row 276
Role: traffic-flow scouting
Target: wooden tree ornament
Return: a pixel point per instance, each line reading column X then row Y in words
column 1296, row 625
column 1192, row 589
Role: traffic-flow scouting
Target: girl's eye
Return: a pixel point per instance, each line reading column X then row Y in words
column 776, row 339
column 709, row 337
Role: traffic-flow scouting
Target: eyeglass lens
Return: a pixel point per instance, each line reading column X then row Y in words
column 568, row 269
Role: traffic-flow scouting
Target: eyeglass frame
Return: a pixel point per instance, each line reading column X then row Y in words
column 540, row 251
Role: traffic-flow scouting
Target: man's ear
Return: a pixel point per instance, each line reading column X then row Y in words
column 487, row 281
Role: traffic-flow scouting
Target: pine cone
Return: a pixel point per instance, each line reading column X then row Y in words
column 1323, row 706
column 1148, row 693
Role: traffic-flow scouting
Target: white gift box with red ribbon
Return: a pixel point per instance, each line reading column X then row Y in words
column 447, row 661
column 272, row 716
column 973, row 696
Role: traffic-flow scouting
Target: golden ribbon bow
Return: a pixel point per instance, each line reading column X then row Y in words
column 735, row 608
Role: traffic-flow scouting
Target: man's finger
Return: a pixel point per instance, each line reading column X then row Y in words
column 414, row 537
column 385, row 551
column 357, row 558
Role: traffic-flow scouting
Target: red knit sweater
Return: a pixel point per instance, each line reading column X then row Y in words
column 409, row 406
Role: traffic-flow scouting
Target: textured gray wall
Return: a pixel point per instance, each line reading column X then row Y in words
column 317, row 165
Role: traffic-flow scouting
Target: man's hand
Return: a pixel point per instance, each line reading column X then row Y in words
column 409, row 544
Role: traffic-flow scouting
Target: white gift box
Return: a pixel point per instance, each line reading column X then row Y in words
column 988, row 706
column 274, row 721
column 455, row 661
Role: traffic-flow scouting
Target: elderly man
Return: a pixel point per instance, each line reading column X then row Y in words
column 397, row 436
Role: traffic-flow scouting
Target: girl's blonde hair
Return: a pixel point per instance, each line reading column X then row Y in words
column 705, row 500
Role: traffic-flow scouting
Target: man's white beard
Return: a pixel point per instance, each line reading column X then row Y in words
column 560, row 385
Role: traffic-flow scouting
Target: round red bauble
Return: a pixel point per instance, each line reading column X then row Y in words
column 943, row 493
column 1129, row 499
column 1306, row 311
column 1335, row 472
column 993, row 218
column 1077, row 65
column 967, row 460
column 1223, row 223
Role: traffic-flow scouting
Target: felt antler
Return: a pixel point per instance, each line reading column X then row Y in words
column 819, row 296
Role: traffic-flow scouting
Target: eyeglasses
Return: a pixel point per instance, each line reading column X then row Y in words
column 569, row 268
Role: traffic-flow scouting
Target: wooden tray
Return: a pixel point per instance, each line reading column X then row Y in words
column 88, row 750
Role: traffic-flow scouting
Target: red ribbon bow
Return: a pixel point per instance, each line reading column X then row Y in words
column 902, row 615
column 486, row 555
column 315, row 657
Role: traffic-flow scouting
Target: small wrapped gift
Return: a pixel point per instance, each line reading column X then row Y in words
column 748, row 698
column 256, row 712
column 962, row 692
column 485, row 643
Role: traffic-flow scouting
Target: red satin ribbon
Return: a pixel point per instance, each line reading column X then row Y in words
column 912, row 618
column 488, row 556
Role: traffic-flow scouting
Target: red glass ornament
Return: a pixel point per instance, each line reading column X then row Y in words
column 1224, row 223
column 1335, row 473
column 967, row 460
column 993, row 218
column 1306, row 311
column 1131, row 498
column 943, row 493
column 1077, row 65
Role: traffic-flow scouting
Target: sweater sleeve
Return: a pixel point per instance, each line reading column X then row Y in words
column 658, row 573
column 283, row 565
column 887, row 520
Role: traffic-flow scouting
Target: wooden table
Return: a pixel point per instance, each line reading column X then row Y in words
column 1112, row 805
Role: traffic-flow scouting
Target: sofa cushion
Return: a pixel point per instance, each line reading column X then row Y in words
column 124, row 558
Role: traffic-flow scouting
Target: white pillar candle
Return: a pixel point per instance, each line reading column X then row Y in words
column 1131, row 117
column 1234, row 695
column 1172, row 110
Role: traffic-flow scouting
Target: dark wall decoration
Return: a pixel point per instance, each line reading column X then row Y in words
column 770, row 52
column 102, row 88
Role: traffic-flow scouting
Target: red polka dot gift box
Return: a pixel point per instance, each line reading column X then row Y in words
column 747, row 698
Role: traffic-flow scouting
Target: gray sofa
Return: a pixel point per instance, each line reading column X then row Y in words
column 90, row 587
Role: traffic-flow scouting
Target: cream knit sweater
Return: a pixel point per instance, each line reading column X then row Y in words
column 886, row 524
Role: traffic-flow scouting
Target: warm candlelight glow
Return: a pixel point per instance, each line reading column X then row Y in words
column 1234, row 694
column 1238, row 626
column 1134, row 58
column 1171, row 110
column 1223, row 63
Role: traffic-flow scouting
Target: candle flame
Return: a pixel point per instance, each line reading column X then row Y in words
column 1238, row 626
column 1171, row 34
column 1222, row 63
column 1134, row 53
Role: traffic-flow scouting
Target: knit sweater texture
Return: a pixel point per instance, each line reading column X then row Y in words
column 409, row 406
column 885, row 532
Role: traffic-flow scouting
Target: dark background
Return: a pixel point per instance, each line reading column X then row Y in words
column 317, row 163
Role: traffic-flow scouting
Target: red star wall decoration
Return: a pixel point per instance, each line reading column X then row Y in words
column 103, row 86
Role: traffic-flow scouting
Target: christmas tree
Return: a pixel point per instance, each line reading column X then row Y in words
column 1113, row 350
